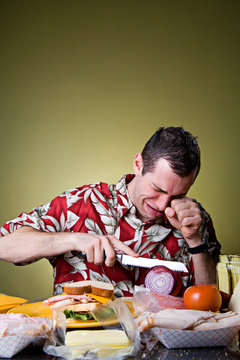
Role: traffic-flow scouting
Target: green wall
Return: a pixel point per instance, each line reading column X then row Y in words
column 84, row 84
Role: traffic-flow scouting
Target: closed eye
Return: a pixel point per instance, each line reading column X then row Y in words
column 159, row 190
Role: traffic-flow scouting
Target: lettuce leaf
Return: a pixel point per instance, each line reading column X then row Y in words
column 70, row 314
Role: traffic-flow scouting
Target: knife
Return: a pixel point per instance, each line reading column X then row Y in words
column 146, row 262
column 149, row 263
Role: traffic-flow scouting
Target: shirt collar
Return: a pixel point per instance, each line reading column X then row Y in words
column 124, row 202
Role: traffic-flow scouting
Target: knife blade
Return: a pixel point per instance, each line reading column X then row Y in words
column 149, row 263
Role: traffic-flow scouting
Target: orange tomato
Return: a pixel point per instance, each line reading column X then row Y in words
column 203, row 297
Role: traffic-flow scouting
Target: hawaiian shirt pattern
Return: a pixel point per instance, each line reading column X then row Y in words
column 107, row 210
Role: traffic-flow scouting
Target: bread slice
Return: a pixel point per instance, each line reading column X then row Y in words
column 99, row 288
column 78, row 288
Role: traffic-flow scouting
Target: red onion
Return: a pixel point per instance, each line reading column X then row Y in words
column 161, row 280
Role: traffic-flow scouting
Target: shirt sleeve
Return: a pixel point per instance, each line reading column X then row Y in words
column 51, row 217
column 208, row 232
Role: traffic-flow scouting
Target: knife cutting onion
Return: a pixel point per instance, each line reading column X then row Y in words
column 162, row 280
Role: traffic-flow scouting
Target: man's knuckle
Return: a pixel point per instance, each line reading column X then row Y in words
column 173, row 203
column 111, row 258
column 98, row 262
column 88, row 247
column 98, row 241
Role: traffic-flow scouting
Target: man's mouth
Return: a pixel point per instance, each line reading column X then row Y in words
column 155, row 211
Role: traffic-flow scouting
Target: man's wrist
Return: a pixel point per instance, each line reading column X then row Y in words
column 202, row 247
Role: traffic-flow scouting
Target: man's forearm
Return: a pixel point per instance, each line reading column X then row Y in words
column 203, row 262
column 27, row 244
column 204, row 268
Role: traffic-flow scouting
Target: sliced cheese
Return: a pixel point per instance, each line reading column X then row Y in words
column 108, row 338
column 234, row 304
column 101, row 299
column 10, row 300
column 7, row 302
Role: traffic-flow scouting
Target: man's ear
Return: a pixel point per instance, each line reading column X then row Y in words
column 138, row 164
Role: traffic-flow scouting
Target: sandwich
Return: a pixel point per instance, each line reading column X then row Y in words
column 80, row 299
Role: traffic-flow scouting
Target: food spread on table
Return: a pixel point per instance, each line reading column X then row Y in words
column 202, row 309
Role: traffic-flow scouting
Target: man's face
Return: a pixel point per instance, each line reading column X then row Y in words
column 153, row 192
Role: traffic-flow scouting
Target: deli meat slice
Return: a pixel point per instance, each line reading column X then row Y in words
column 54, row 299
column 61, row 303
column 169, row 301
column 16, row 324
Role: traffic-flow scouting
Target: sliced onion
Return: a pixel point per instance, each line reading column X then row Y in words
column 159, row 280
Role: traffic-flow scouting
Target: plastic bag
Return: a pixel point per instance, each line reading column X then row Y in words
column 174, row 336
column 17, row 331
column 145, row 300
column 114, row 312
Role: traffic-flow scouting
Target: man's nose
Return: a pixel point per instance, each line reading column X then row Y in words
column 163, row 202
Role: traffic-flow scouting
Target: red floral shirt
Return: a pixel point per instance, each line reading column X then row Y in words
column 107, row 209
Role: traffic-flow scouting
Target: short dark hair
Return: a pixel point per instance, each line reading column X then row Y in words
column 176, row 145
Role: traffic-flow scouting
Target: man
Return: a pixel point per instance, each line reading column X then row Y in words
column 146, row 214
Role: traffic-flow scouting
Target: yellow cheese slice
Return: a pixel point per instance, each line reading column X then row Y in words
column 7, row 302
column 32, row 309
column 108, row 338
column 224, row 276
column 102, row 342
column 101, row 299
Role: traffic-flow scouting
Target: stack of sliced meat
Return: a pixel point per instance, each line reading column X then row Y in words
column 20, row 324
column 61, row 301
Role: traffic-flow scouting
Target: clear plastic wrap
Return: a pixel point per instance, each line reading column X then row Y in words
column 175, row 327
column 17, row 331
column 114, row 312
column 145, row 300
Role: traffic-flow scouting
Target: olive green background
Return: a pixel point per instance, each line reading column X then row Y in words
column 84, row 84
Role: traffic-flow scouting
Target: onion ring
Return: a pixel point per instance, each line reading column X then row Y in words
column 161, row 280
